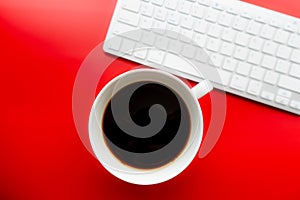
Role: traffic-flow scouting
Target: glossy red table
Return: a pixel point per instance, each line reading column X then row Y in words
column 42, row 45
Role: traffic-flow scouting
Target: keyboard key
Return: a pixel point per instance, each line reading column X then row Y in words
column 132, row 5
column 218, row 6
column 291, row 26
column 246, row 15
column 146, row 23
column 239, row 82
column 284, row 52
column 212, row 16
column 284, row 93
column 186, row 35
column 268, row 62
column 243, row 68
column 257, row 73
column 256, row 43
column 140, row 51
column 156, row 56
column 262, row 19
column 161, row 42
column 240, row 24
column 188, row 51
column 184, row 7
column 202, row 56
column 216, row 60
column 114, row 43
column 148, row 38
column 267, row 32
column 201, row 26
column 230, row 64
column 294, row 41
column 295, row 104
column 232, row 11
column 199, row 39
column 173, row 18
column 271, row 77
column 172, row 31
column 227, row 48
column 127, row 31
column 228, row 35
column 158, row 2
column 295, row 70
column 255, row 57
column 174, row 47
column 254, row 87
column 289, row 83
column 204, row 2
column 197, row 11
column 159, row 27
column 224, row 77
column 282, row 66
column 281, row 36
column 146, row 9
column 213, row 44
column 254, row 28
column 128, row 17
column 242, row 39
column 214, row 31
column 171, row 4
column 187, row 22
column 225, row 19
column 127, row 47
column 267, row 95
column 296, row 56
column 270, row 47
column 241, row 53
column 276, row 23
column 160, row 14
column 282, row 100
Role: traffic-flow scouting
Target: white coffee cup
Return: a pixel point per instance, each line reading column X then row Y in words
column 171, row 169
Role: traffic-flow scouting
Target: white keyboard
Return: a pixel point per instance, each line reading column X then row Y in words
column 255, row 51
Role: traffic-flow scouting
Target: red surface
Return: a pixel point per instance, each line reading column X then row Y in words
column 43, row 43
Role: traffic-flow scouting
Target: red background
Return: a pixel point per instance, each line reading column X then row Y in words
column 43, row 43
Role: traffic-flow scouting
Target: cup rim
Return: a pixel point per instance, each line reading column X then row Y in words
column 146, row 177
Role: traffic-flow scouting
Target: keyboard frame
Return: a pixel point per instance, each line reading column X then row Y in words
column 192, row 77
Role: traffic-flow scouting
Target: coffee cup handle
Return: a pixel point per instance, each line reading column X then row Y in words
column 202, row 88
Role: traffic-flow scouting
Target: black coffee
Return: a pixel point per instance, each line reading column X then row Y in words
column 137, row 148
